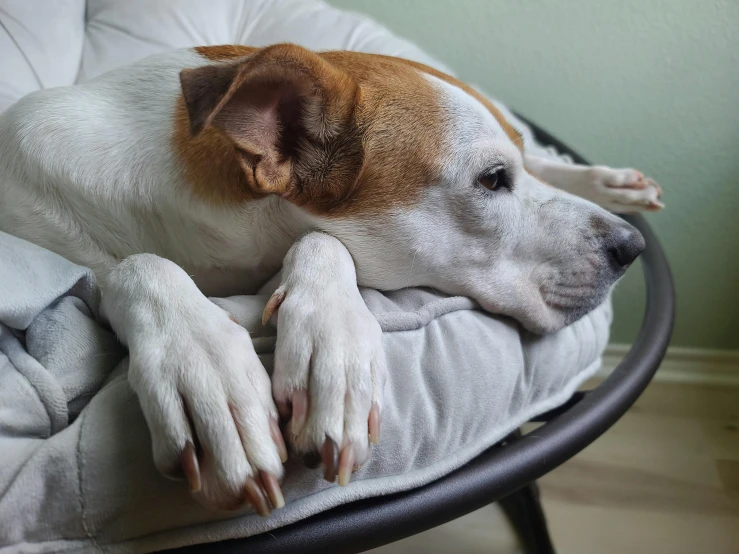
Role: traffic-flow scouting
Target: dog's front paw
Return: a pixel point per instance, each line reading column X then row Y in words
column 203, row 390
column 329, row 367
column 624, row 190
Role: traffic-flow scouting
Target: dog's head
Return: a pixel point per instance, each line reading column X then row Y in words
column 417, row 174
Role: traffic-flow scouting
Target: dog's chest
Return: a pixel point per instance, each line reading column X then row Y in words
column 221, row 282
column 235, row 256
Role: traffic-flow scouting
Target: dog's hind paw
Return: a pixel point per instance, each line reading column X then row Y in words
column 623, row 190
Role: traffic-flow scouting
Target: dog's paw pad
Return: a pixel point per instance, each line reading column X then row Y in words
column 625, row 178
column 626, row 190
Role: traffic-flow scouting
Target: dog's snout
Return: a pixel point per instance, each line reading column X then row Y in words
column 623, row 245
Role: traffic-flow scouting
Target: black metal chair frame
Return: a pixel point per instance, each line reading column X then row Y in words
column 506, row 472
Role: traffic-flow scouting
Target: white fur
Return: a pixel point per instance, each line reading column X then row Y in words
column 90, row 175
column 87, row 172
column 190, row 364
column 329, row 344
column 617, row 190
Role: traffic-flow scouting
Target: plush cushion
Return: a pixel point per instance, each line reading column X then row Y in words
column 76, row 470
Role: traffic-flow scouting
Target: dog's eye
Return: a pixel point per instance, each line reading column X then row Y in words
column 493, row 178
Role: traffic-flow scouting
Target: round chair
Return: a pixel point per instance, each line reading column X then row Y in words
column 507, row 472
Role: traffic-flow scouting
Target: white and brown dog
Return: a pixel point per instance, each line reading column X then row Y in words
column 204, row 171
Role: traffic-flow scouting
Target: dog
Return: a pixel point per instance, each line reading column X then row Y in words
column 206, row 171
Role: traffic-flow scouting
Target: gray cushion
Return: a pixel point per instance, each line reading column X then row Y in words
column 76, row 466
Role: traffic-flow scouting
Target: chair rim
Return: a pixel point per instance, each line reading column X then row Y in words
column 500, row 470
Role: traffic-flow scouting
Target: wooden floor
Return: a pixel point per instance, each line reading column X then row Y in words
column 664, row 479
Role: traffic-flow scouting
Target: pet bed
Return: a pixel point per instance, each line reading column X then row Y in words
column 76, row 471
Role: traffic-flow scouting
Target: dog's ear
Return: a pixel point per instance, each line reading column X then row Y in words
column 278, row 106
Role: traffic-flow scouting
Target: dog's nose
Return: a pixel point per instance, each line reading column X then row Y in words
column 624, row 244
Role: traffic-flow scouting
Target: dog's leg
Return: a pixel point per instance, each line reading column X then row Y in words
column 617, row 190
column 205, row 394
column 329, row 362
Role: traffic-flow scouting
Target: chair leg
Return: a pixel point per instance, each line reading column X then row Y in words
column 525, row 512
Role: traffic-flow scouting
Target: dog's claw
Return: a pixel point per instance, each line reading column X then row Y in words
column 330, row 458
column 374, row 424
column 273, row 305
column 346, row 465
column 191, row 467
column 274, row 429
column 284, row 409
column 654, row 183
column 300, row 411
column 256, row 498
column 272, row 488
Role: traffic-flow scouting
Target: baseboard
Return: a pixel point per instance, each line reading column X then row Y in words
column 685, row 365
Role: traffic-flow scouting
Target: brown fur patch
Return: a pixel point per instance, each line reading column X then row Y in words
column 396, row 137
column 402, row 143
column 210, row 162
column 228, row 52
column 509, row 130
column 386, row 126
column 224, row 52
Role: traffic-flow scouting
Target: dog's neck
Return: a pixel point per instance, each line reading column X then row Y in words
column 242, row 247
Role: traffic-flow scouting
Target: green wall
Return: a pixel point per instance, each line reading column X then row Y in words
column 652, row 84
